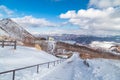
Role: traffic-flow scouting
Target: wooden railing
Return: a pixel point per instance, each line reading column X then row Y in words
column 37, row 67
column 4, row 43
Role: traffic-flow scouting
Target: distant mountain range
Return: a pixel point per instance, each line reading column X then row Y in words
column 89, row 39
column 84, row 39
column 12, row 29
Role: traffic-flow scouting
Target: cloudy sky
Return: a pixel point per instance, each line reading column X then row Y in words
column 83, row 17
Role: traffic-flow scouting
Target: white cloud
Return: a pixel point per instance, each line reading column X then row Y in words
column 98, row 21
column 69, row 14
column 104, row 3
column 4, row 10
column 30, row 21
column 89, row 13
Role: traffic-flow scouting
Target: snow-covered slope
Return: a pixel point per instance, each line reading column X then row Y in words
column 21, row 57
column 13, row 29
column 106, row 46
column 3, row 32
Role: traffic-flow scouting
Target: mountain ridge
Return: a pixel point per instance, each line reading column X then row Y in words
column 14, row 30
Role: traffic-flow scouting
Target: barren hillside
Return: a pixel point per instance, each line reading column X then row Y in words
column 86, row 52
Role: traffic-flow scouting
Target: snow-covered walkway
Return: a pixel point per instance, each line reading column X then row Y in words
column 75, row 69
column 69, row 70
column 62, row 72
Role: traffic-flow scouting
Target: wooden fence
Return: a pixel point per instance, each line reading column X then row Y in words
column 37, row 67
column 8, row 43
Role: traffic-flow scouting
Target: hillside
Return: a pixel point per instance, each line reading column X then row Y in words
column 85, row 51
column 15, row 31
column 3, row 33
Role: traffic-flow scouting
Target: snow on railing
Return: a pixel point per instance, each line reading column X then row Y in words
column 37, row 67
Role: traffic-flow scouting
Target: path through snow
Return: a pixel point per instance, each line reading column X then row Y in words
column 75, row 69
column 62, row 72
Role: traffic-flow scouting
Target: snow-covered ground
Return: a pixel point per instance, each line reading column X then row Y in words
column 72, row 69
column 76, row 69
column 21, row 57
column 104, row 44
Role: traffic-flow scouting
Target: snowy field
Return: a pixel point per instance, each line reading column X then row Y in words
column 21, row 57
column 72, row 69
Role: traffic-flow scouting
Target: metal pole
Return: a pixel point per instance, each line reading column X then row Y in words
column 15, row 44
column 13, row 78
column 48, row 65
column 37, row 68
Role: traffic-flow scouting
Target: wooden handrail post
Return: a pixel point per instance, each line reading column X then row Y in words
column 13, row 78
column 2, row 43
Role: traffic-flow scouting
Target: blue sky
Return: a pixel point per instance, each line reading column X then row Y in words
column 64, row 16
column 45, row 7
column 49, row 9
